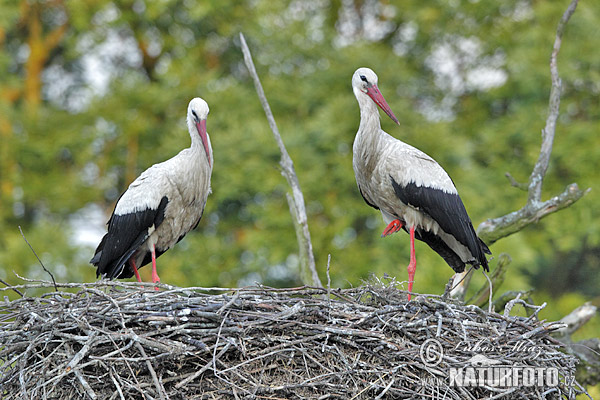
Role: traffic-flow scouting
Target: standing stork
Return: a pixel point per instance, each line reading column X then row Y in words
column 412, row 191
column 160, row 207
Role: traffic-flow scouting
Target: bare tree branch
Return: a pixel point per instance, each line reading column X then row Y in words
column 587, row 350
column 540, row 168
column 307, row 260
column 493, row 229
column 576, row 319
column 515, row 183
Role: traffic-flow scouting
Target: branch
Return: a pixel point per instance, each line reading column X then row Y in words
column 40, row 261
column 513, row 182
column 493, row 229
column 587, row 350
column 576, row 319
column 296, row 202
column 537, row 175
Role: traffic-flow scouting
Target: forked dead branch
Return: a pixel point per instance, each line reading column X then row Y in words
column 116, row 341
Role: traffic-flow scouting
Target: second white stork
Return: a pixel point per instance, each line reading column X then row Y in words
column 410, row 189
column 160, row 207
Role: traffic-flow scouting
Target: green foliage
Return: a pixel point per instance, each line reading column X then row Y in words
column 96, row 129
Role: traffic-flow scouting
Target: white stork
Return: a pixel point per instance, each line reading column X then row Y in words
column 160, row 207
column 412, row 191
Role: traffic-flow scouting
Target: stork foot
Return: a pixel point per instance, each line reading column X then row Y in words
column 155, row 279
column 392, row 227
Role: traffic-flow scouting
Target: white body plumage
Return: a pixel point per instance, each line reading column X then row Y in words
column 408, row 185
column 161, row 206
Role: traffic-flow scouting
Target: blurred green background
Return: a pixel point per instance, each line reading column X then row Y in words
column 94, row 92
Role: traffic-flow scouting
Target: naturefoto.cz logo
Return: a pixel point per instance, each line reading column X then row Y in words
column 480, row 370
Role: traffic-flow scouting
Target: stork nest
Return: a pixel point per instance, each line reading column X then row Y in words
column 115, row 340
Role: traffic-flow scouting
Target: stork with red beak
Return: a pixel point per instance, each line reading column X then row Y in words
column 160, row 207
column 410, row 189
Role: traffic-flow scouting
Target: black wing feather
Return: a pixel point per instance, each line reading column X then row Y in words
column 126, row 233
column 439, row 246
column 448, row 210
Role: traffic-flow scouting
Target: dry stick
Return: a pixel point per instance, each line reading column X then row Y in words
column 86, row 386
column 380, row 396
column 481, row 296
column 328, row 281
column 159, row 388
column 9, row 287
column 40, row 261
column 490, row 306
column 116, row 384
column 541, row 166
column 296, row 201
column 493, row 229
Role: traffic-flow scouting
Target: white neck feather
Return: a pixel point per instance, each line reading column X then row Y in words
column 367, row 137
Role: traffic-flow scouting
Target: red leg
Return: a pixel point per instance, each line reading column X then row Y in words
column 135, row 270
column 393, row 227
column 412, row 266
column 155, row 277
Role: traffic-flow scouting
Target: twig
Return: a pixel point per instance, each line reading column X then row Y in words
column 328, row 279
column 372, row 384
column 501, row 302
column 119, row 390
column 40, row 261
column 490, row 306
column 14, row 289
column 159, row 388
column 204, row 368
column 296, row 201
column 86, row 386
column 498, row 275
column 493, row 229
column 81, row 353
column 384, row 391
column 448, row 288
column 515, row 183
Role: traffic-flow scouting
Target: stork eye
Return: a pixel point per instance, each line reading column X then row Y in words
column 195, row 115
column 363, row 78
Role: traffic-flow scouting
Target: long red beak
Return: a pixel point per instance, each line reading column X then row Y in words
column 375, row 94
column 201, row 127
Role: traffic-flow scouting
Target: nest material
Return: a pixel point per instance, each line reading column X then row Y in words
column 118, row 341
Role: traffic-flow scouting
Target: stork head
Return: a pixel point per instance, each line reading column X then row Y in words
column 196, row 120
column 364, row 81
